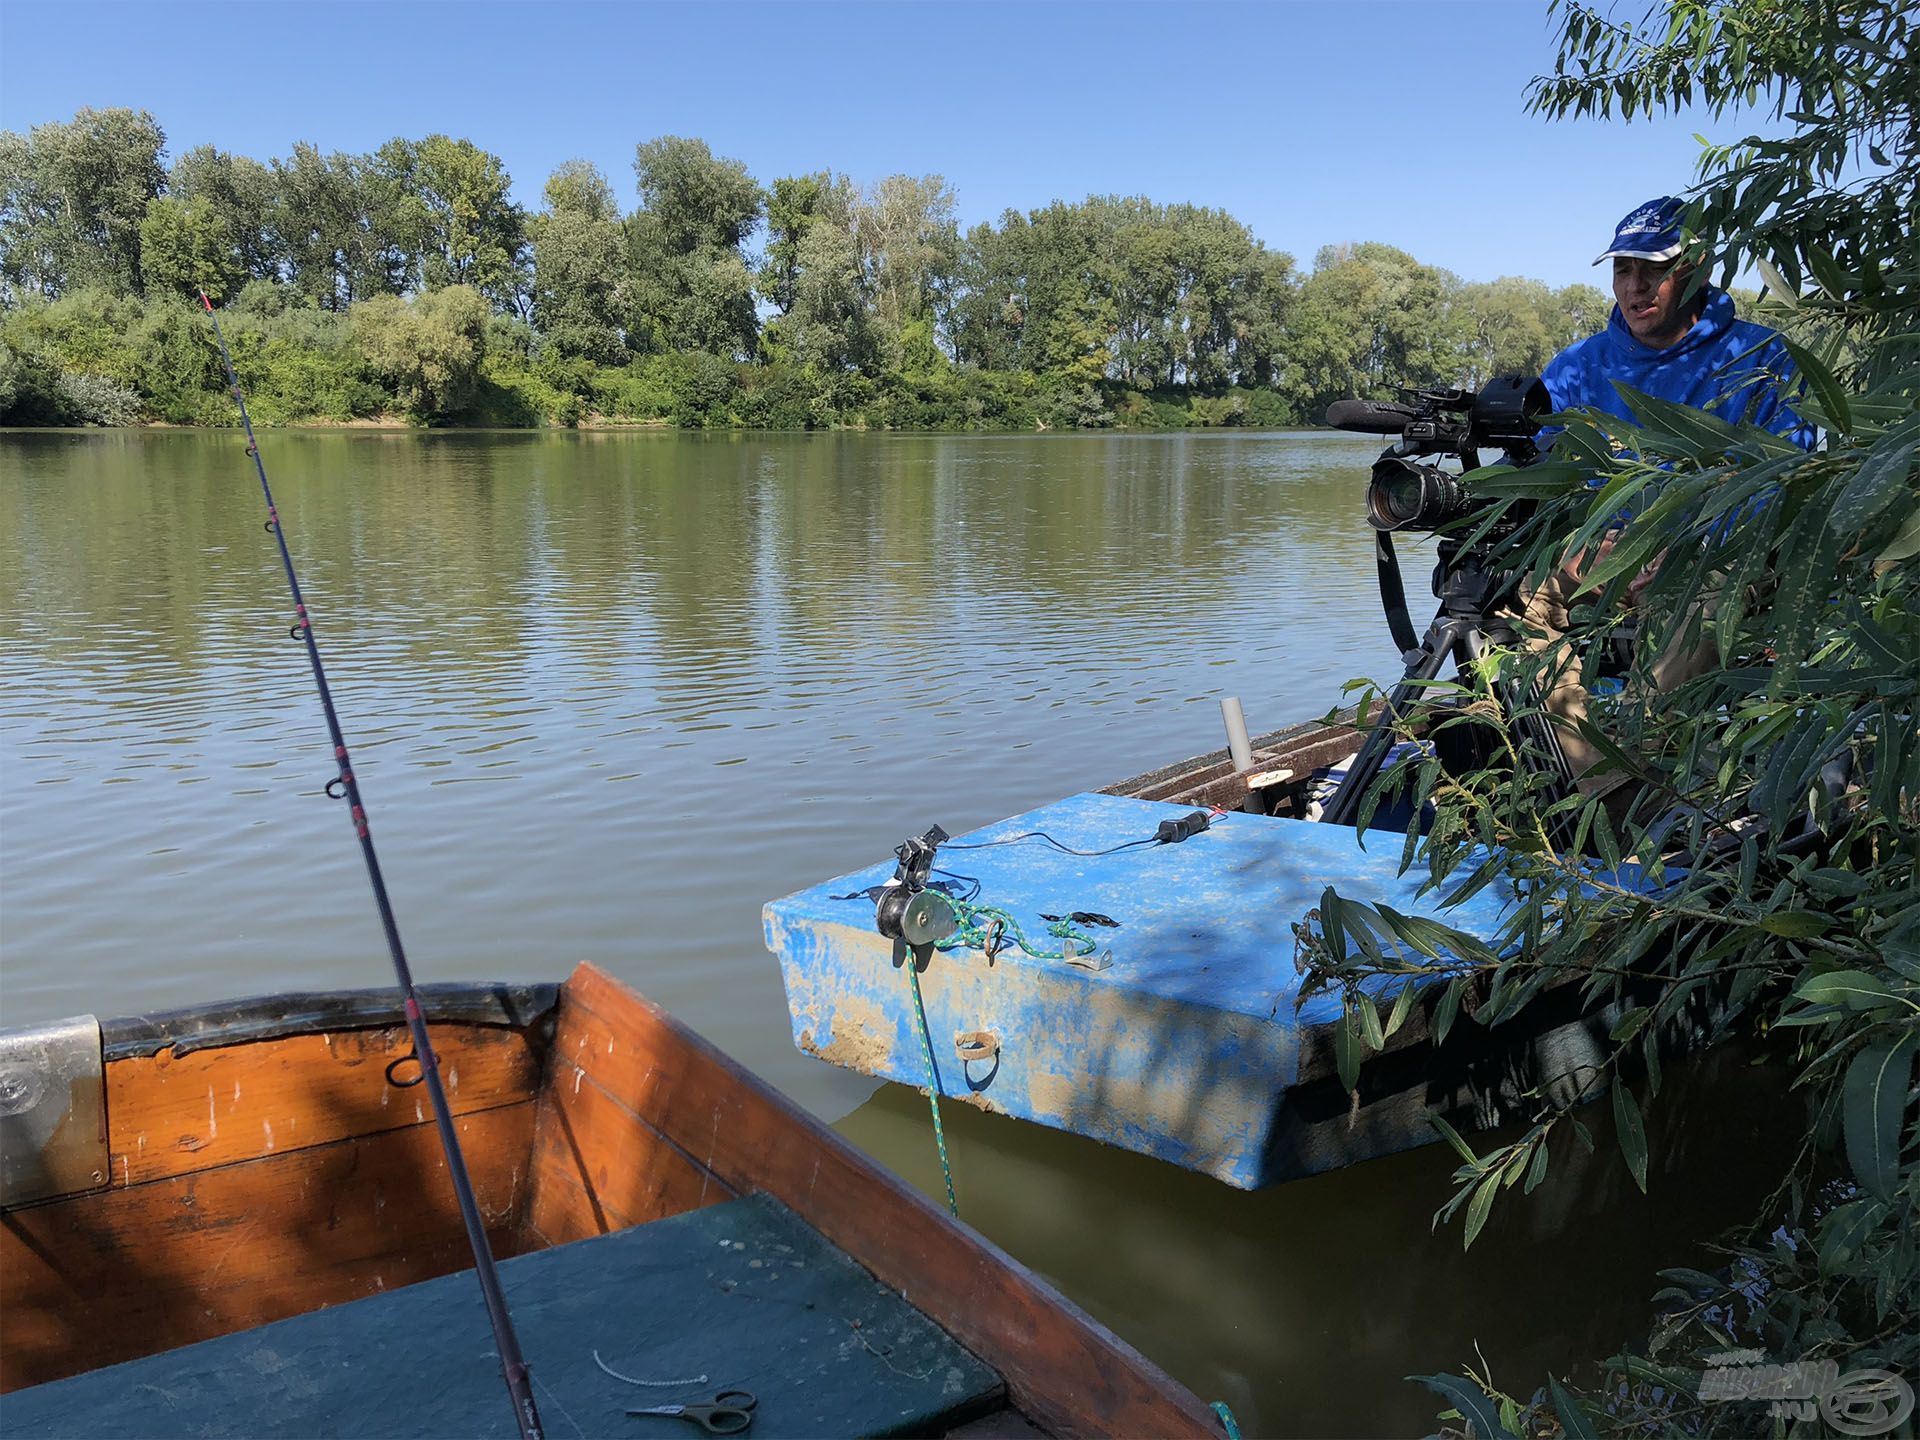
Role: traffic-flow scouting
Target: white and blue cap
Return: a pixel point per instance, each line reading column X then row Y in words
column 1652, row 231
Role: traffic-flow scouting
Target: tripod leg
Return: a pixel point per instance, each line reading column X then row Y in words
column 1534, row 724
column 1443, row 637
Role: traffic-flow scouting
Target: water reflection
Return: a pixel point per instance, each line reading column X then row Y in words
column 1305, row 1306
column 607, row 694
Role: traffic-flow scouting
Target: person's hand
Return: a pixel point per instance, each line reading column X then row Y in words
column 1573, row 574
column 1637, row 586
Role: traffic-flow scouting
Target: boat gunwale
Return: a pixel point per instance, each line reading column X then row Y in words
column 317, row 1012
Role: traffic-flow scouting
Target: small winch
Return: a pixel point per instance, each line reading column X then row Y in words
column 906, row 909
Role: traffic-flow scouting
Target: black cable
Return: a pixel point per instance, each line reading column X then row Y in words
column 1063, row 849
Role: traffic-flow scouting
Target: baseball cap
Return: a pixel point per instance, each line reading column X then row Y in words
column 1653, row 231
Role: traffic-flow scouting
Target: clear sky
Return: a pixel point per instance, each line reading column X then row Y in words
column 1312, row 123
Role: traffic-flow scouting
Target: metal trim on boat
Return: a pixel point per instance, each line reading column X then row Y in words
column 53, row 1111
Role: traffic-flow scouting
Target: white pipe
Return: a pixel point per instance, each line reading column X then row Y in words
column 1237, row 741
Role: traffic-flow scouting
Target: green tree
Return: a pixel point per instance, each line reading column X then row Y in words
column 794, row 202
column 239, row 192
column 1513, row 329
column 1370, row 318
column 1580, row 310
column 578, row 256
column 428, row 350
column 185, row 248
column 829, row 325
column 576, row 187
column 316, row 214
column 696, row 200
column 475, row 235
column 690, row 288
column 908, row 245
column 72, row 199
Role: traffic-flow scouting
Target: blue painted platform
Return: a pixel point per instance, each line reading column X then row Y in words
column 1184, row 1046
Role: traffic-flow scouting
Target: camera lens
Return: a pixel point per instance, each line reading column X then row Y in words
column 1395, row 497
column 1404, row 496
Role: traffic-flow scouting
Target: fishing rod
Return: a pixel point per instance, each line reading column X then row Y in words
column 512, row 1367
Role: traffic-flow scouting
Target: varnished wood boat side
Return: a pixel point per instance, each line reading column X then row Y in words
column 173, row 1114
column 128, row 1271
column 256, row 1180
column 597, row 1164
column 1062, row 1369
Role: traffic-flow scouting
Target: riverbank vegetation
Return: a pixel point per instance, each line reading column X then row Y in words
column 407, row 284
column 1786, row 904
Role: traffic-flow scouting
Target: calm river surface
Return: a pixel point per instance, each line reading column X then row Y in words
column 607, row 693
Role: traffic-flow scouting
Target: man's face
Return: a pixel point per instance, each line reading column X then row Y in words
column 1651, row 295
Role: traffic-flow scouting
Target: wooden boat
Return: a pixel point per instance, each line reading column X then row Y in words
column 1180, row 1038
column 230, row 1220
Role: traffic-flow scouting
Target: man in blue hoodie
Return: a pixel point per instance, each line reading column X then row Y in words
column 1676, row 346
column 1666, row 343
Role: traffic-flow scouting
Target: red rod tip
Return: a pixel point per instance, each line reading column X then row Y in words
column 206, row 302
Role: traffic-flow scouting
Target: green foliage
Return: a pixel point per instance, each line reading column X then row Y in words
column 72, row 199
column 704, row 387
column 697, row 200
column 186, row 249
column 576, row 290
column 1107, row 312
column 689, row 287
column 429, row 351
column 793, row 204
column 177, row 362
column 1370, row 318
column 239, row 193
column 1787, row 900
column 474, row 235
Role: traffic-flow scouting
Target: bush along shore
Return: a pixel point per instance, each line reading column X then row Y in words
column 442, row 360
column 407, row 286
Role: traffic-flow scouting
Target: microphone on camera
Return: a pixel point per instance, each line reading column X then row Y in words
column 1370, row 417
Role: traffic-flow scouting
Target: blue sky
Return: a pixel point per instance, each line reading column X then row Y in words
column 1313, row 123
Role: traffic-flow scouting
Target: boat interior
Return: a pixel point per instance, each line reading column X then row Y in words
column 242, row 1224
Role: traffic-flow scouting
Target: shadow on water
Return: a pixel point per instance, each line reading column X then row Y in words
column 1304, row 1306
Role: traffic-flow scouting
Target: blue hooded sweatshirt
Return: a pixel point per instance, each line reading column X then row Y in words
column 1732, row 368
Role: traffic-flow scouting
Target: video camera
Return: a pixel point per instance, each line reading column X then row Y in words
column 1404, row 492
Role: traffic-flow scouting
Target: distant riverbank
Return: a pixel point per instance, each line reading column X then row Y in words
column 93, row 359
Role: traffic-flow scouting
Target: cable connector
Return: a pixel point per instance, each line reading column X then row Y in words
column 1172, row 832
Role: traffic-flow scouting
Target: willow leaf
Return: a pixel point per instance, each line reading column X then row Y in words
column 1475, row 1408
column 1632, row 1132
column 1575, row 1422
column 1872, row 1105
column 1479, row 1208
column 1833, row 399
column 1883, row 477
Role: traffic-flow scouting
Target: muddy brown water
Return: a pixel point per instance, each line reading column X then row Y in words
column 607, row 693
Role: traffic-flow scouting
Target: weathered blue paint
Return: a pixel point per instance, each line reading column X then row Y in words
column 1182, row 1048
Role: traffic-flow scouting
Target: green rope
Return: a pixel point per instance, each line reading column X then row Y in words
column 933, row 1087
column 977, row 930
column 1226, row 1419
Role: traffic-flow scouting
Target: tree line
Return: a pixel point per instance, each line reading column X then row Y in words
column 408, row 281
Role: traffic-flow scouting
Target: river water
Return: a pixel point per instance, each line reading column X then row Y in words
column 607, row 693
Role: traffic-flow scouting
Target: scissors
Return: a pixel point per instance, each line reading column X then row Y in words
column 728, row 1413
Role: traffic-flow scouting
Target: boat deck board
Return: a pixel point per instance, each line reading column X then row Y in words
column 743, row 1292
column 1181, row 1047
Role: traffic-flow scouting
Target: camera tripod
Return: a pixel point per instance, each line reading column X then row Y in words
column 1470, row 595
